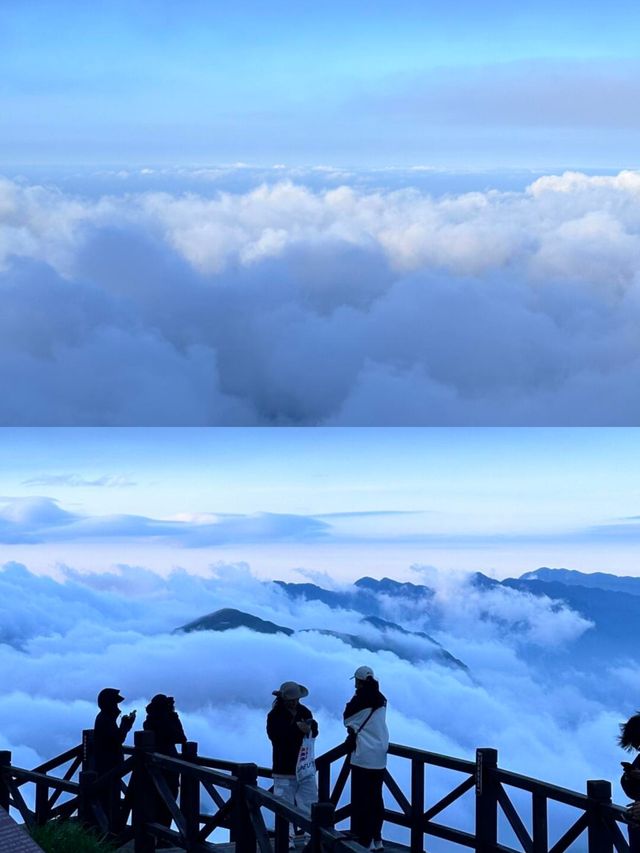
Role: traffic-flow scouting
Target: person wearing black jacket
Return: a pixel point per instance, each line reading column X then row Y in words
column 365, row 718
column 288, row 723
column 630, row 740
column 109, row 736
column 163, row 720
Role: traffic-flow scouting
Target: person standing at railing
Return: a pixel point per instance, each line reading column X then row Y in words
column 109, row 736
column 630, row 740
column 368, row 738
column 163, row 720
column 291, row 730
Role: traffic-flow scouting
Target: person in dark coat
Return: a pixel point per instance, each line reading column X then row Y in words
column 109, row 736
column 630, row 740
column 163, row 720
column 365, row 717
column 288, row 723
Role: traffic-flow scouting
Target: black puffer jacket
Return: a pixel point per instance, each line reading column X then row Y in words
column 286, row 737
column 165, row 723
column 108, row 739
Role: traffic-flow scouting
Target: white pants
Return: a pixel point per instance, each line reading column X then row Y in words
column 299, row 793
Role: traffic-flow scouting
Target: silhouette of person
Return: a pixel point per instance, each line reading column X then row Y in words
column 162, row 719
column 288, row 723
column 630, row 740
column 365, row 715
column 109, row 736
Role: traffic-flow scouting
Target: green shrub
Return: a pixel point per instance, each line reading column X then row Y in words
column 61, row 836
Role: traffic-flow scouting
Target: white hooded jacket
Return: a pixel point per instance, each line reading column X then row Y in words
column 372, row 741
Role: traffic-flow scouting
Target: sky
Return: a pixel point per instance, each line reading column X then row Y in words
column 347, row 502
column 496, row 84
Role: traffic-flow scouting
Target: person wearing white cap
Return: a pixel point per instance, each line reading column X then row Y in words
column 365, row 719
column 289, row 726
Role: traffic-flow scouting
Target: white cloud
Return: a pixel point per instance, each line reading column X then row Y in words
column 285, row 305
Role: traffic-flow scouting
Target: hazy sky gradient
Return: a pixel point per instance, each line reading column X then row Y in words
column 346, row 501
column 357, row 83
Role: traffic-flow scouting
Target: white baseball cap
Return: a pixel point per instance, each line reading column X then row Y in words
column 362, row 673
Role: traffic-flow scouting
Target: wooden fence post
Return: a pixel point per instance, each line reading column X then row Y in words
column 88, row 756
column 417, row 805
column 5, row 763
column 599, row 793
column 539, row 823
column 324, row 782
column 281, row 841
column 486, row 801
column 86, row 780
column 244, row 834
column 190, row 795
column 42, row 803
column 322, row 815
column 143, row 793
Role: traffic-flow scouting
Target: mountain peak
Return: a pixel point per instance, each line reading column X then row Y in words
column 227, row 619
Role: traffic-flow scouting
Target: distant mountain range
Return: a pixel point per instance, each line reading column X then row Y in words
column 609, row 602
column 597, row 580
column 377, row 635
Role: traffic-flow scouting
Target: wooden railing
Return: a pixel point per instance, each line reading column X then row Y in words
column 501, row 808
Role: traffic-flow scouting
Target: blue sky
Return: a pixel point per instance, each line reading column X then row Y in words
column 351, row 501
column 493, row 84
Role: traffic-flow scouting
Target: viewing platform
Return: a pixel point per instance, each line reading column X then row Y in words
column 227, row 806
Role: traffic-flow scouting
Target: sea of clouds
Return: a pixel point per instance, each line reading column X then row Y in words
column 334, row 302
column 64, row 638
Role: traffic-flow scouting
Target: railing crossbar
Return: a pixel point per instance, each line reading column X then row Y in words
column 515, row 820
column 260, row 829
column 278, row 806
column 209, row 823
column 341, row 782
column 167, row 797
column 59, row 760
column 552, row 792
column 450, row 798
column 396, row 793
column 571, row 834
column 619, row 841
column 215, row 795
column 19, row 803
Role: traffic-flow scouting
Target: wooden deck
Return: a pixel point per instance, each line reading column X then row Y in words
column 14, row 838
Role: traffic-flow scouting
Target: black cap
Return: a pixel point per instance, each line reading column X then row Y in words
column 110, row 694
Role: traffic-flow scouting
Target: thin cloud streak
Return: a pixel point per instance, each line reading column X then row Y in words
column 40, row 520
column 112, row 481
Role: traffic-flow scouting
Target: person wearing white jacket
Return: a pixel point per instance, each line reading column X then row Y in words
column 365, row 716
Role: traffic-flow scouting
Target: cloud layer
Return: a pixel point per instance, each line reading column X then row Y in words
column 285, row 305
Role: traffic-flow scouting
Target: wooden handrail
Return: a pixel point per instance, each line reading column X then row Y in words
column 600, row 819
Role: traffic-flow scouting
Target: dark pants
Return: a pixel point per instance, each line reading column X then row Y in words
column 367, row 806
column 634, row 837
